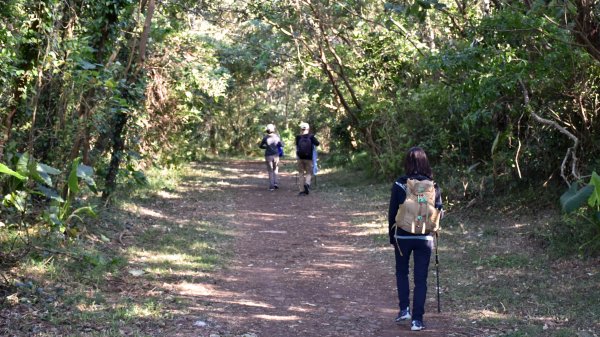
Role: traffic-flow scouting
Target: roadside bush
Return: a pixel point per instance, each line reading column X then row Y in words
column 572, row 235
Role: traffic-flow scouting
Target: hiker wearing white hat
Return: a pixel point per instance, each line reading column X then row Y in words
column 271, row 143
column 305, row 145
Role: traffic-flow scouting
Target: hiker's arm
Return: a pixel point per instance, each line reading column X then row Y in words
column 438, row 198
column 398, row 197
column 263, row 143
column 315, row 141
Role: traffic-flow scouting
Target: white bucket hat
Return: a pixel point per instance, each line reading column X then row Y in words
column 270, row 128
column 304, row 126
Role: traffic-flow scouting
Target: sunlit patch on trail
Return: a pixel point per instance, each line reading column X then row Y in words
column 263, row 216
column 333, row 265
column 339, row 249
column 148, row 212
column 171, row 264
column 168, row 195
column 301, row 309
column 480, row 314
column 195, row 289
column 310, row 273
column 278, row 318
column 249, row 303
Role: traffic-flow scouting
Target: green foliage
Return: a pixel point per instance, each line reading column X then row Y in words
column 372, row 79
column 583, row 213
column 33, row 179
column 62, row 213
column 594, row 200
column 574, row 198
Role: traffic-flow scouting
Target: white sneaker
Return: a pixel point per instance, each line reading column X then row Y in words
column 417, row 325
column 403, row 315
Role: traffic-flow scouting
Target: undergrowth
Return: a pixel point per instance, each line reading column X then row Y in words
column 73, row 286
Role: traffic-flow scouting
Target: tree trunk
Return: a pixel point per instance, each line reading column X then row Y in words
column 122, row 117
column 82, row 137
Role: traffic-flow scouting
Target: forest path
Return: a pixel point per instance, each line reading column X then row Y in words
column 299, row 268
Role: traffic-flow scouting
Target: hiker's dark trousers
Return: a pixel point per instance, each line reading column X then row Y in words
column 421, row 250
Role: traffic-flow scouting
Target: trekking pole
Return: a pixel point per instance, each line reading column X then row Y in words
column 437, row 271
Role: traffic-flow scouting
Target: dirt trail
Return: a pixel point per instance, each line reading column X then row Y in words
column 300, row 269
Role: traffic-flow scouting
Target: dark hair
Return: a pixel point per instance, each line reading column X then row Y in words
column 416, row 162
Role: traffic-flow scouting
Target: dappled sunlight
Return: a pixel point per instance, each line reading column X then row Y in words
column 194, row 289
column 90, row 307
column 214, row 293
column 264, row 216
column 277, row 317
column 340, row 249
column 168, row 195
column 369, row 214
column 217, row 294
column 141, row 210
column 249, row 303
column 309, row 273
column 141, row 310
column 166, row 261
column 366, row 230
column 333, row 265
column 301, row 309
column 481, row 314
column 229, row 169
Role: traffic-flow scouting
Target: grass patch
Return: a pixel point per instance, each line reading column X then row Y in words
column 114, row 278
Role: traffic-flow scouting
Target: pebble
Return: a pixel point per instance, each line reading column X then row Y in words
column 200, row 324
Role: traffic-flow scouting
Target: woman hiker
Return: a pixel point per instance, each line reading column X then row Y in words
column 410, row 233
column 271, row 143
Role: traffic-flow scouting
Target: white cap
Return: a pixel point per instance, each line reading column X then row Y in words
column 270, row 128
column 304, row 126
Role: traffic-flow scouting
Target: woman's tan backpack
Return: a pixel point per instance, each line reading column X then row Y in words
column 418, row 214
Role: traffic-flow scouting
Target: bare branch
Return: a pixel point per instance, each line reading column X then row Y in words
column 571, row 152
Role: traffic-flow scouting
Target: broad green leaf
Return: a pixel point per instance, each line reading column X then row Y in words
column 50, row 193
column 22, row 164
column 594, row 200
column 6, row 170
column 87, row 65
column 17, row 199
column 47, row 169
column 572, row 199
column 495, row 144
column 87, row 174
column 53, row 219
column 73, row 181
column 88, row 210
column 41, row 177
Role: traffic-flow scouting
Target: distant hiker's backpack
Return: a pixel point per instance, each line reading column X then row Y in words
column 305, row 147
column 280, row 151
column 418, row 214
